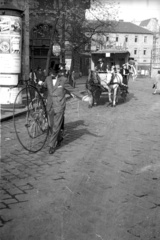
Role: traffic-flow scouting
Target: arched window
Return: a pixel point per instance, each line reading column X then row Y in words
column 40, row 39
column 41, row 31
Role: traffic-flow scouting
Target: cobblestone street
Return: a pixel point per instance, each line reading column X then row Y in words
column 102, row 183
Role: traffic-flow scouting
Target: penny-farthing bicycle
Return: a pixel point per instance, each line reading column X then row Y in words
column 32, row 126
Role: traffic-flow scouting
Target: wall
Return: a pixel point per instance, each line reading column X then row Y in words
column 143, row 61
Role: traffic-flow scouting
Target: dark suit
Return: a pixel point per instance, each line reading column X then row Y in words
column 93, row 87
column 125, row 75
column 101, row 67
column 56, row 104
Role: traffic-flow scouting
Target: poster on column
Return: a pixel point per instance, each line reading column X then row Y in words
column 10, row 44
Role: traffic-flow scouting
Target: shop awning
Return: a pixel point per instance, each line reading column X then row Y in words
column 110, row 51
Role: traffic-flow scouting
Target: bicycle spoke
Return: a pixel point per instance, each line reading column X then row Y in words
column 32, row 127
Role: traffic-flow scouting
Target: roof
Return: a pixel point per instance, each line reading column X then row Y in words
column 123, row 27
column 110, row 51
column 128, row 27
column 10, row 7
column 144, row 23
column 104, row 51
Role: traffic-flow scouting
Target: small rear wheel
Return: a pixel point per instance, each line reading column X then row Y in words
column 31, row 127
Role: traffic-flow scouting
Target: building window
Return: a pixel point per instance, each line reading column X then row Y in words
column 126, row 38
column 136, row 39
column 144, row 52
column 135, row 51
column 145, row 39
column 116, row 39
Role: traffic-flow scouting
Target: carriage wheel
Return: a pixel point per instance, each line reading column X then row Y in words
column 31, row 126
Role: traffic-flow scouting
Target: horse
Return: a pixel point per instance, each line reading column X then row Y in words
column 111, row 81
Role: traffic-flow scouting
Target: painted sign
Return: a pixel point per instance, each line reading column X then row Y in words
column 10, row 46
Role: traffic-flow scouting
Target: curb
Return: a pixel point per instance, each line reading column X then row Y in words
column 76, row 92
column 10, row 116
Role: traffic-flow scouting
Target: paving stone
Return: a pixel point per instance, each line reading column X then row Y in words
column 103, row 183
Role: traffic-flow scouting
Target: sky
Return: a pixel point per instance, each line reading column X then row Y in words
column 136, row 10
column 139, row 10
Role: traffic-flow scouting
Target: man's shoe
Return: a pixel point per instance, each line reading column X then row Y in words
column 51, row 150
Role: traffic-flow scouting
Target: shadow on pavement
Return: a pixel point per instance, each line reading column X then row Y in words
column 105, row 100
column 129, row 97
column 75, row 130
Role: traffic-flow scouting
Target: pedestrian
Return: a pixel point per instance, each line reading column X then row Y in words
column 40, row 77
column 32, row 77
column 133, row 71
column 32, row 80
column 73, row 79
column 125, row 75
column 156, row 84
column 56, row 104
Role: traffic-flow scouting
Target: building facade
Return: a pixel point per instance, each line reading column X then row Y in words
column 128, row 36
column 153, row 25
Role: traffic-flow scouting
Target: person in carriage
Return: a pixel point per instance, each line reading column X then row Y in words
column 101, row 66
column 93, row 88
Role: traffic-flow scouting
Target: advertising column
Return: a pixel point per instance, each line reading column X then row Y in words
column 10, row 56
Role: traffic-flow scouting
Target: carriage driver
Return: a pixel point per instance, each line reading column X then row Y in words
column 101, row 66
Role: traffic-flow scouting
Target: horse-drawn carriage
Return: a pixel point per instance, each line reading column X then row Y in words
column 105, row 76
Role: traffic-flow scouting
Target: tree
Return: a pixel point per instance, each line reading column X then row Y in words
column 68, row 19
column 80, row 31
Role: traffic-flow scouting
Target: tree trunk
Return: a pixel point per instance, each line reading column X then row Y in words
column 48, row 57
column 25, row 49
column 71, row 68
column 50, row 47
column 63, row 43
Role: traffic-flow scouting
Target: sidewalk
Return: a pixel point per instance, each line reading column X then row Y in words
column 78, row 91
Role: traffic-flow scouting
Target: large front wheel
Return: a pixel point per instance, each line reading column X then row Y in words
column 31, row 126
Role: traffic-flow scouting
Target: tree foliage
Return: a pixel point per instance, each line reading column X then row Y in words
column 67, row 18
